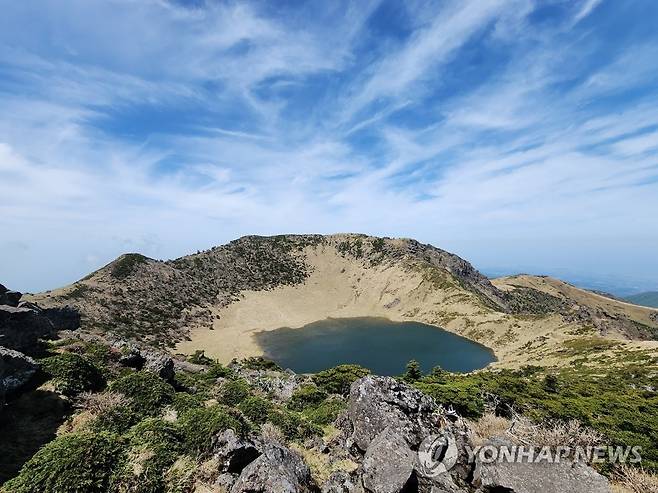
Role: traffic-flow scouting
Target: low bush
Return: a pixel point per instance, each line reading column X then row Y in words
column 154, row 445
column 199, row 425
column 337, row 380
column 72, row 463
column 233, row 392
column 260, row 363
column 72, row 374
column 306, row 396
column 293, row 425
column 256, row 409
column 324, row 413
column 148, row 392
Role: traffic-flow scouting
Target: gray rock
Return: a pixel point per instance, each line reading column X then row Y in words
column 63, row 318
column 21, row 328
column 388, row 465
column 234, row 452
column 376, row 403
column 16, row 370
column 539, row 477
column 160, row 364
column 339, row 482
column 131, row 356
column 9, row 297
column 276, row 470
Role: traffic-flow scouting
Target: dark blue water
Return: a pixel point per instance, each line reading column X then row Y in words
column 383, row 346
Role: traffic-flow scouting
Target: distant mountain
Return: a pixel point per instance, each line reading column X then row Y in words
column 649, row 298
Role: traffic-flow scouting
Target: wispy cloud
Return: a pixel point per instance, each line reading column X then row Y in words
column 501, row 129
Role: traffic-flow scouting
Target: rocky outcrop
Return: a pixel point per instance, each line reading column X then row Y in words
column 23, row 323
column 388, row 464
column 276, row 470
column 159, row 363
column 16, row 370
column 234, row 453
column 533, row 477
column 9, row 297
column 21, row 328
column 405, row 442
column 376, row 403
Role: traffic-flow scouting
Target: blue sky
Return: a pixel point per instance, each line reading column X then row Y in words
column 522, row 135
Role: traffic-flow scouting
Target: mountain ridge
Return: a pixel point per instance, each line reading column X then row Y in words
column 256, row 282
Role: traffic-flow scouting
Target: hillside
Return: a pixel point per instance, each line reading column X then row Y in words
column 215, row 300
column 649, row 298
column 574, row 367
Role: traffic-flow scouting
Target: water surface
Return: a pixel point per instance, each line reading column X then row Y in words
column 379, row 344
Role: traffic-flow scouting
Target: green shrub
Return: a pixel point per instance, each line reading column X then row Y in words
column 338, row 380
column 260, row 363
column 413, row 371
column 72, row 373
column 148, row 392
column 154, row 446
column 233, row 392
column 324, row 413
column 293, row 425
column 127, row 264
column 72, row 463
column 183, row 402
column 198, row 426
column 117, row 419
column 306, row 396
column 256, row 409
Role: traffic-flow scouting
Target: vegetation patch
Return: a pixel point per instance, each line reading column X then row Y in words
column 72, row 463
column 127, row 265
column 337, row 380
column 147, row 392
column 72, row 373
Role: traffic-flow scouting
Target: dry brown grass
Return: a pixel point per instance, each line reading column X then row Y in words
column 634, row 480
column 489, row 426
column 98, row 404
column 271, row 432
column 521, row 430
column 555, row 433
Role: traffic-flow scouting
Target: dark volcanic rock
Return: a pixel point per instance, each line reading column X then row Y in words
column 64, row 318
column 234, row 452
column 339, row 482
column 277, row 470
column 9, row 297
column 16, row 370
column 545, row 477
column 376, row 403
column 21, row 328
column 159, row 363
column 388, row 465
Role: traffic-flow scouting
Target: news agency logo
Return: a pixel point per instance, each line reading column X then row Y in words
column 438, row 454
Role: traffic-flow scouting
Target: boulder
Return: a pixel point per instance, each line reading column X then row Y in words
column 21, row 328
column 160, row 364
column 376, row 403
column 388, row 464
column 9, row 297
column 564, row 476
column 276, row 470
column 63, row 318
column 339, row 482
column 16, row 370
column 234, row 453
